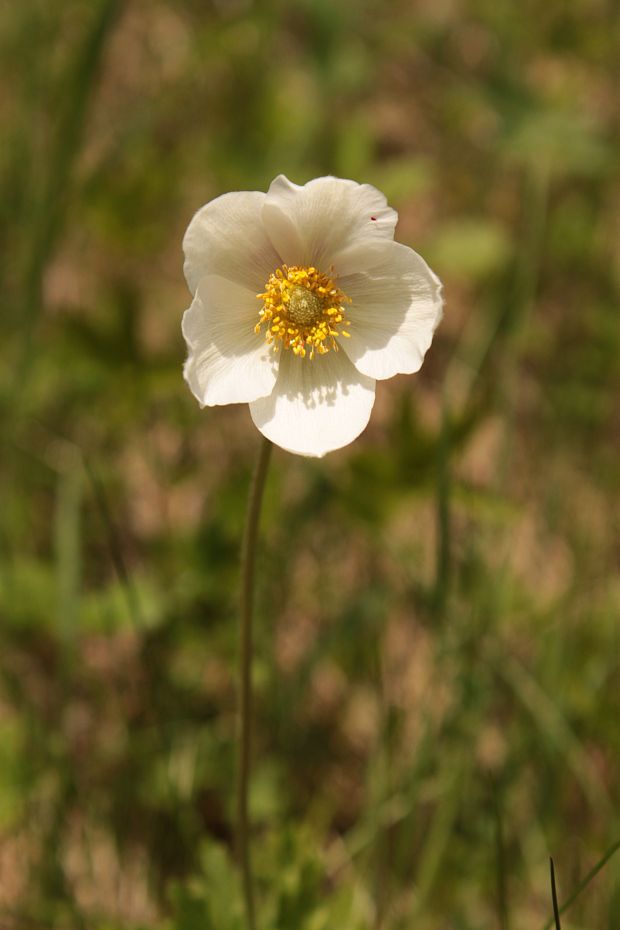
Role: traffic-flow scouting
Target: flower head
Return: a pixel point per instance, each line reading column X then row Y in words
column 302, row 300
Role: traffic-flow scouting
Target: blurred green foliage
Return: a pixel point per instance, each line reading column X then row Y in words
column 438, row 650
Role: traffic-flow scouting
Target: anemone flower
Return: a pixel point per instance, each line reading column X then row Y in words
column 302, row 300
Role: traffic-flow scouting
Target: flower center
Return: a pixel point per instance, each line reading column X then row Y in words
column 302, row 309
column 305, row 307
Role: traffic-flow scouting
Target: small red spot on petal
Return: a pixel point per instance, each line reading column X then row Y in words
column 373, row 217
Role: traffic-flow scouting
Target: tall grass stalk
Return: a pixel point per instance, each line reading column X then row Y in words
column 50, row 212
column 67, row 544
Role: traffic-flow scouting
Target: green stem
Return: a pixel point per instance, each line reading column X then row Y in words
column 248, row 562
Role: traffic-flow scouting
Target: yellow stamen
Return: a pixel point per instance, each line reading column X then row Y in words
column 302, row 307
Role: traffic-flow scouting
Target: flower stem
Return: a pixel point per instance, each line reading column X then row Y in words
column 248, row 562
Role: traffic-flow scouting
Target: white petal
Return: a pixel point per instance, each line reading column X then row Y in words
column 228, row 362
column 308, row 225
column 396, row 307
column 317, row 405
column 227, row 237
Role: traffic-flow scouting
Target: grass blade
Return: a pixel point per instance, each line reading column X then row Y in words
column 584, row 883
column 554, row 896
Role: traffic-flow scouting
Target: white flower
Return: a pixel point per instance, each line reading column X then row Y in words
column 302, row 299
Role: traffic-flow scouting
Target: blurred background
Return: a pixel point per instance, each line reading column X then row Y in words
column 438, row 655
